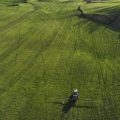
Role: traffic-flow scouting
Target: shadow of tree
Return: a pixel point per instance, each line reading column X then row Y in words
column 108, row 10
column 95, row 1
column 111, row 21
column 68, row 1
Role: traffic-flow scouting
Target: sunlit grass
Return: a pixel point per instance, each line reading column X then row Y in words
column 46, row 51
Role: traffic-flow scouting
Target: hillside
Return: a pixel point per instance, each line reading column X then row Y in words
column 47, row 48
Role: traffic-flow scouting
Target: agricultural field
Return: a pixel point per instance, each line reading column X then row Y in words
column 47, row 49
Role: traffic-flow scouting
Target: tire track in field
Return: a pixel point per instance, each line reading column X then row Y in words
column 72, row 78
column 14, row 46
column 96, row 54
column 103, row 78
column 62, row 117
column 12, row 24
column 56, row 34
column 19, row 20
column 104, row 84
column 105, row 96
column 76, row 47
column 98, row 61
column 47, row 68
column 12, row 82
column 60, row 43
column 17, row 44
column 34, row 59
column 26, row 66
column 44, row 73
column 16, row 77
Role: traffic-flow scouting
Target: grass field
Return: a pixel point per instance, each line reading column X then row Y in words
column 46, row 51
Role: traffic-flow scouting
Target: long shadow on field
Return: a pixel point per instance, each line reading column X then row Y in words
column 66, row 106
column 111, row 21
column 68, row 1
column 97, row 1
column 69, row 105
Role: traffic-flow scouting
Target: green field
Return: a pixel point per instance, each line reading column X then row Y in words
column 46, row 51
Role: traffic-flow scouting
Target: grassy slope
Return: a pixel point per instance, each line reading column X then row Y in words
column 47, row 53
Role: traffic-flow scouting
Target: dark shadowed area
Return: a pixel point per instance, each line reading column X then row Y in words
column 111, row 21
column 68, row 105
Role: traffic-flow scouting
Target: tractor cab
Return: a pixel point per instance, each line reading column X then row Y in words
column 75, row 95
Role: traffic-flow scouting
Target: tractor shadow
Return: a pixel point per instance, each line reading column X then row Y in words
column 67, row 106
column 70, row 104
column 111, row 21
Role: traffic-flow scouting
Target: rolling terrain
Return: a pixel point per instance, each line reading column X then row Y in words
column 47, row 49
